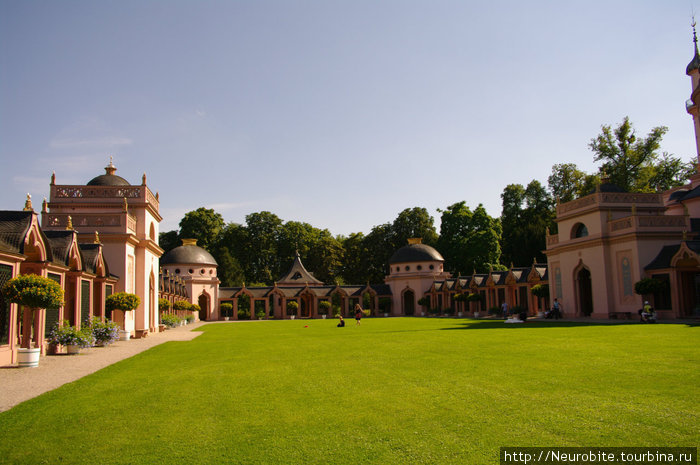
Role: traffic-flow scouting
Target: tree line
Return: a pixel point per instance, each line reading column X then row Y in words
column 262, row 249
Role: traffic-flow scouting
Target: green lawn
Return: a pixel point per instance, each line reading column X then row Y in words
column 393, row 391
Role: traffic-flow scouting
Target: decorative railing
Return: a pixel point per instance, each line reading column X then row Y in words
column 101, row 192
column 601, row 198
column 93, row 194
column 623, row 223
column 552, row 240
column 87, row 220
column 648, row 221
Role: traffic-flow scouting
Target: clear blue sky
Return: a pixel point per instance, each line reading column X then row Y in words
column 337, row 113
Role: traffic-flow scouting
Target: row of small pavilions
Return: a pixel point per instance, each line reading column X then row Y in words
column 444, row 297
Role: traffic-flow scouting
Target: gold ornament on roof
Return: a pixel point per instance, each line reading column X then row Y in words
column 143, row 179
column 126, row 205
column 97, row 238
column 69, row 225
column 28, row 204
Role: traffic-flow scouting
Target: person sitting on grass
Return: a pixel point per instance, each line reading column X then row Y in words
column 341, row 323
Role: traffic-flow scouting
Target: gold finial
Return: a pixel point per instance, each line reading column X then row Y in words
column 28, row 204
column 110, row 169
column 97, row 238
column 143, row 179
column 126, row 205
column 157, row 196
column 415, row 240
column 53, row 178
column 44, row 206
column 189, row 241
column 685, row 210
column 69, row 224
column 547, row 230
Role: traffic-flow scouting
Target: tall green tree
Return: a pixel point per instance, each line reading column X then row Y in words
column 633, row 163
column 355, row 259
column 526, row 215
column 261, row 258
column 468, row 240
column 567, row 182
column 411, row 223
column 168, row 240
column 203, row 224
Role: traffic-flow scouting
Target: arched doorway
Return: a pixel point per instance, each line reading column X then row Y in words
column 585, row 292
column 409, row 302
column 203, row 303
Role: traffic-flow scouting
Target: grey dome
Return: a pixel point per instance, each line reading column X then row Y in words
column 108, row 180
column 416, row 253
column 188, row 253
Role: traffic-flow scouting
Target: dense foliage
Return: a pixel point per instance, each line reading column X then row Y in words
column 33, row 291
column 66, row 335
column 124, row 301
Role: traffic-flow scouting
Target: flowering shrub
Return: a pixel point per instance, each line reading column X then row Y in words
column 169, row 320
column 163, row 305
column 33, row 291
column 181, row 305
column 67, row 335
column 105, row 332
column 122, row 301
column 189, row 319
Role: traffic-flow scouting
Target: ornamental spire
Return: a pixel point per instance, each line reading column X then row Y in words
column 28, row 204
column 695, row 62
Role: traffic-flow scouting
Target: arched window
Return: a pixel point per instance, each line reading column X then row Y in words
column 579, row 230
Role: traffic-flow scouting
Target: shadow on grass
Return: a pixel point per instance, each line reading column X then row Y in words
column 501, row 324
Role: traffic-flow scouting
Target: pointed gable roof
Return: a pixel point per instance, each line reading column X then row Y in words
column 298, row 275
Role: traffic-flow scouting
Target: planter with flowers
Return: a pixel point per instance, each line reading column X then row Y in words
column 292, row 307
column 71, row 337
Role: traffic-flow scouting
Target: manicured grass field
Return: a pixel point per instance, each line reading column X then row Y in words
column 393, row 391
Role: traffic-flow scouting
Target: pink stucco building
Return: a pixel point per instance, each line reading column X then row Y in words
column 609, row 240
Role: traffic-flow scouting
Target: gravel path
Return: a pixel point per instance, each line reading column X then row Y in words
column 20, row 384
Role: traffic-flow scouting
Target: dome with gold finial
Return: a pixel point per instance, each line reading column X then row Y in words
column 109, row 178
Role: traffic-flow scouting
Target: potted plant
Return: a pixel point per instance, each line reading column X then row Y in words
column 292, row 307
column 385, row 305
column 170, row 320
column 71, row 337
column 103, row 332
column 226, row 310
column 324, row 307
column 474, row 297
column 194, row 309
column 124, row 302
column 460, row 298
column 541, row 291
column 33, row 293
column 423, row 302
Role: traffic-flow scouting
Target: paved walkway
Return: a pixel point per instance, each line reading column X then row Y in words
column 20, row 384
